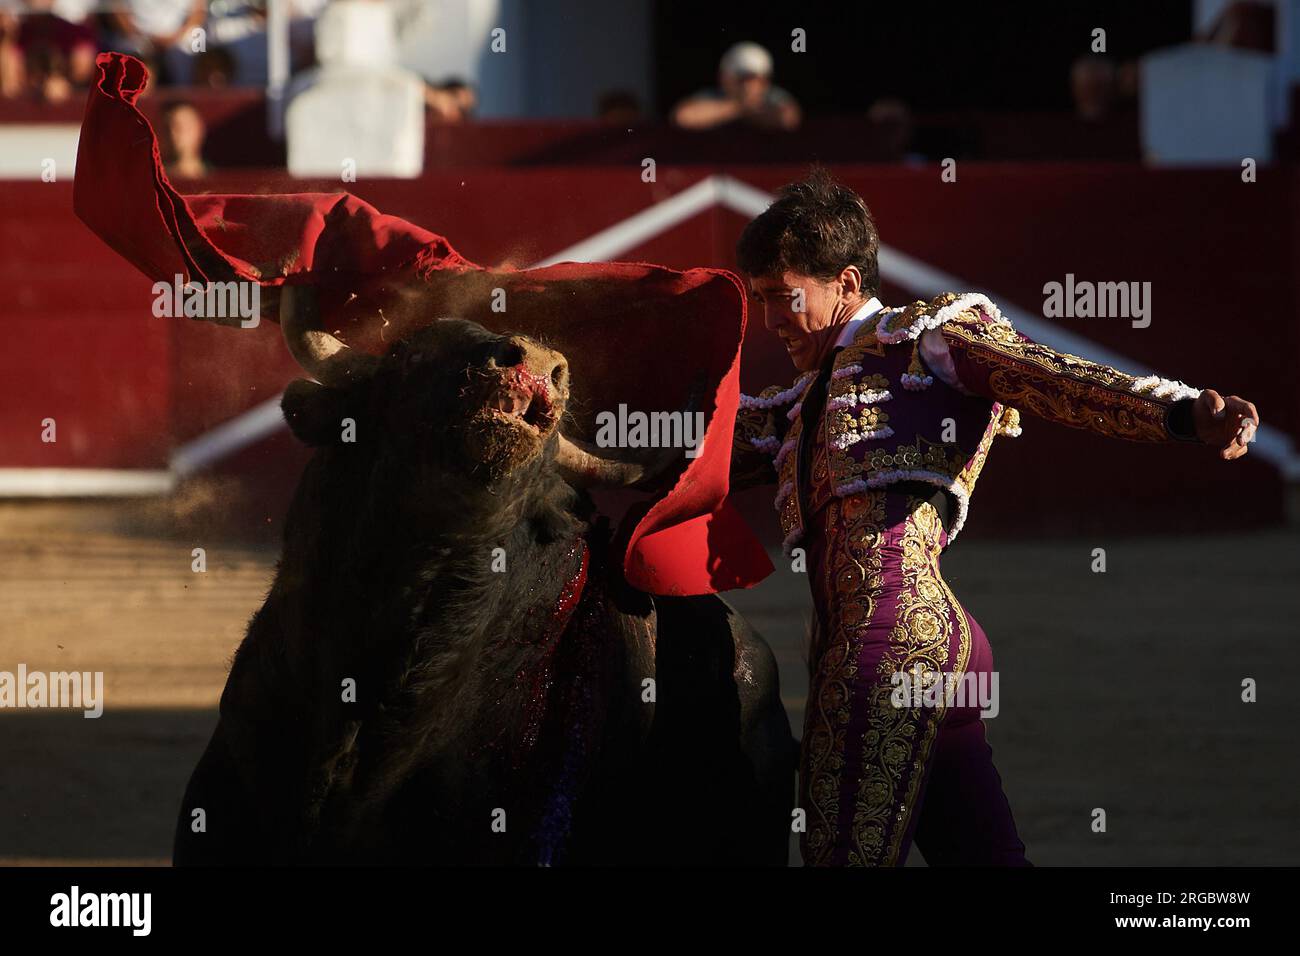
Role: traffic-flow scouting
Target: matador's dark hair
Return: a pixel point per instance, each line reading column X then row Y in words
column 815, row 228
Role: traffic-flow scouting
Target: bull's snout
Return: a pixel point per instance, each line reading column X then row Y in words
column 543, row 364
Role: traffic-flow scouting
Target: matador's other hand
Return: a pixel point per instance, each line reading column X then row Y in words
column 1228, row 424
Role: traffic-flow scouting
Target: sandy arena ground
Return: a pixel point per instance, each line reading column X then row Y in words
column 1119, row 690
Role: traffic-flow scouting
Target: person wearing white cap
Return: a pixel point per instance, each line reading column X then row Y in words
column 744, row 94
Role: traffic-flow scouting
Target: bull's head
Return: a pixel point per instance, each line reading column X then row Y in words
column 513, row 395
column 453, row 394
column 494, row 400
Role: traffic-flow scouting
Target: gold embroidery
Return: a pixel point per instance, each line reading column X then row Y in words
column 863, row 345
column 846, row 426
column 864, row 419
column 1060, row 387
column 856, row 387
column 755, row 425
column 904, row 318
column 923, row 454
column 851, row 581
column 970, row 474
column 1009, row 422
column 865, row 338
column 788, row 479
column 898, row 740
column 819, row 489
column 1079, row 405
column 790, row 510
column 750, row 464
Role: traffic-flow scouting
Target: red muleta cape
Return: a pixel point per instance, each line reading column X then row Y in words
column 623, row 326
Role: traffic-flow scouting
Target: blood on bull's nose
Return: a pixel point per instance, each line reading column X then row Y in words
column 545, row 366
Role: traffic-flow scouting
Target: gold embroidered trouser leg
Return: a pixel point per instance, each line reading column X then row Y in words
column 884, row 610
column 916, row 773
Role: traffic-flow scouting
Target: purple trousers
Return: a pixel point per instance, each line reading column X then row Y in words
column 894, row 750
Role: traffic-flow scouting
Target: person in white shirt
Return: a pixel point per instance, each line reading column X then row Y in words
column 745, row 94
column 163, row 31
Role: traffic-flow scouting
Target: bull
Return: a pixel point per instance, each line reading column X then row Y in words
column 450, row 666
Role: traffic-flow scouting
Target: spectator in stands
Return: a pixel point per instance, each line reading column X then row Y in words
column 744, row 94
column 892, row 130
column 180, row 140
column 303, row 15
column 214, row 69
column 1246, row 25
column 11, row 55
column 621, row 107
column 47, row 75
column 79, row 12
column 57, row 55
column 1128, row 83
column 163, row 29
column 237, row 33
column 1093, row 86
column 451, row 101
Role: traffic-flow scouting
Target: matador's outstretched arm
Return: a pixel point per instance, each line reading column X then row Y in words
column 994, row 360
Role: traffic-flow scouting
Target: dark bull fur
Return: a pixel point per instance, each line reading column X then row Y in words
column 497, row 717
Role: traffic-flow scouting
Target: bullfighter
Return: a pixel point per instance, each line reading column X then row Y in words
column 875, row 450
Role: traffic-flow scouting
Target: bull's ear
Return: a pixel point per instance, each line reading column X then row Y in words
column 315, row 412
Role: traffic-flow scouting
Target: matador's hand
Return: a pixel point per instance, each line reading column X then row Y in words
column 1226, row 423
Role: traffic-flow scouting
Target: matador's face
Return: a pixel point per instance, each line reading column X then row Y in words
column 805, row 312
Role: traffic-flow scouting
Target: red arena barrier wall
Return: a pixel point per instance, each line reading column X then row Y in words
column 130, row 391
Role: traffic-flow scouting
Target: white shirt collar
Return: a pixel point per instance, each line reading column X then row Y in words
column 865, row 312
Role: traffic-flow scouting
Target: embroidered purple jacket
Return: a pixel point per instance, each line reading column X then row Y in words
column 921, row 393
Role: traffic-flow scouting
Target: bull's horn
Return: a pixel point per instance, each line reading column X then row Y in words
column 585, row 466
column 322, row 356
